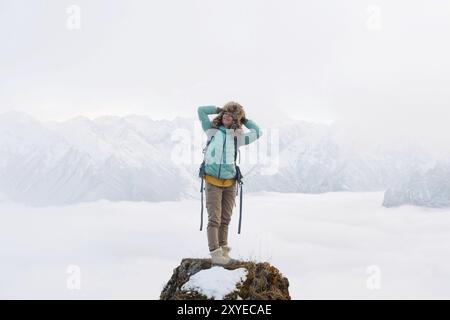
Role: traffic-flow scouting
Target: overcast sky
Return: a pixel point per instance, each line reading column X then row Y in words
column 368, row 62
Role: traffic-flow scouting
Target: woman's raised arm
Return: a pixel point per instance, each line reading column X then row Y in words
column 203, row 112
column 254, row 134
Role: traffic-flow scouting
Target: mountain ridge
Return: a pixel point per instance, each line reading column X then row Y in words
column 131, row 158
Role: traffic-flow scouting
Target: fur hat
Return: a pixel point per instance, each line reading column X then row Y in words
column 237, row 112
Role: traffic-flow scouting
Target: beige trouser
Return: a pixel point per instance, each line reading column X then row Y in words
column 219, row 203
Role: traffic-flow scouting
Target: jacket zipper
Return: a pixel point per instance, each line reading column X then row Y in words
column 223, row 150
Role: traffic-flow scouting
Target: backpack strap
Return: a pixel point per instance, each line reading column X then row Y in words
column 240, row 209
column 201, row 199
column 201, row 174
column 239, row 182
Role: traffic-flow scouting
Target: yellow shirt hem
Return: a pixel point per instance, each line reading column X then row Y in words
column 219, row 182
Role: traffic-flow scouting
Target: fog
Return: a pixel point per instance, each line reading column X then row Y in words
column 382, row 69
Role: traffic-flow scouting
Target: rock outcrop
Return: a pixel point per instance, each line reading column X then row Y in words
column 262, row 281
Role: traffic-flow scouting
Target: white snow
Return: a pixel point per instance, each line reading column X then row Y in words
column 216, row 282
column 324, row 244
column 115, row 158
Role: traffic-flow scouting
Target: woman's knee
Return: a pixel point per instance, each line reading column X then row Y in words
column 214, row 223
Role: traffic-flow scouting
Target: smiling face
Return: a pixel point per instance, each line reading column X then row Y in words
column 227, row 119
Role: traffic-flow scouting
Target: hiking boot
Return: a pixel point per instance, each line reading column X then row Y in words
column 225, row 252
column 217, row 257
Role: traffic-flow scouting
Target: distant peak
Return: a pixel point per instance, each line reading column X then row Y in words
column 109, row 119
column 80, row 119
column 16, row 115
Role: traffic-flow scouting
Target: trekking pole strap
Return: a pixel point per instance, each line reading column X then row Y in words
column 201, row 211
column 240, row 209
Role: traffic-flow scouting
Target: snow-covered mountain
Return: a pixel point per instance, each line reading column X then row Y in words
column 83, row 160
column 130, row 158
column 318, row 158
column 430, row 189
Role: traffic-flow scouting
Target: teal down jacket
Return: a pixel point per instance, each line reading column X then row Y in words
column 219, row 156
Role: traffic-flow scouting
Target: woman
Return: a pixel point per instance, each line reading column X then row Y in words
column 220, row 170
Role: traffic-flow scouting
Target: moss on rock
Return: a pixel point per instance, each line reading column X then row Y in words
column 263, row 281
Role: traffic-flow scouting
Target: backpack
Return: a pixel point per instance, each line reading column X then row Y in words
column 238, row 177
